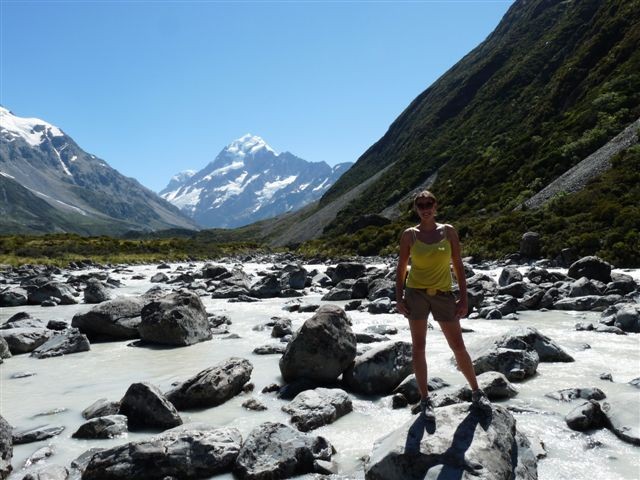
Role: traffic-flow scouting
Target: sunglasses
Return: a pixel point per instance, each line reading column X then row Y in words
column 425, row 205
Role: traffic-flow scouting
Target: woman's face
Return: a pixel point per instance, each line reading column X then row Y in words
column 425, row 207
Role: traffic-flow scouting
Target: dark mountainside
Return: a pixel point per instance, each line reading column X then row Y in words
column 551, row 85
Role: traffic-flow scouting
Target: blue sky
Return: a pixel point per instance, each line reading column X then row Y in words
column 157, row 87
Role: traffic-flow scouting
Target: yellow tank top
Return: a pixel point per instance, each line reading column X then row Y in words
column 430, row 265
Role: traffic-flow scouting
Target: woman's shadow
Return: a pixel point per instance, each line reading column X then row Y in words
column 452, row 461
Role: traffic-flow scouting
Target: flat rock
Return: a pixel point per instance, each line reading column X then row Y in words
column 623, row 416
column 101, row 408
column 466, row 444
column 63, row 343
column 26, row 339
column 314, row 408
column 274, row 450
column 212, row 386
column 35, row 434
column 192, row 451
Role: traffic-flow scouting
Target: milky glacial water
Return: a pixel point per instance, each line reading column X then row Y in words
column 75, row 381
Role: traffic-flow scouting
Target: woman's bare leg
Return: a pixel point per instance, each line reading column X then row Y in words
column 418, row 343
column 453, row 334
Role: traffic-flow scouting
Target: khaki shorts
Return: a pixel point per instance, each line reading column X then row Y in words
column 442, row 305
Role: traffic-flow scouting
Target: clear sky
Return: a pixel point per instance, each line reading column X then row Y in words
column 157, row 87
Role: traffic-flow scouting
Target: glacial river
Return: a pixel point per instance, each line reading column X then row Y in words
column 73, row 382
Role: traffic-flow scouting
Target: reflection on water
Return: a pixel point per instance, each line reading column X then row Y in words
column 73, row 382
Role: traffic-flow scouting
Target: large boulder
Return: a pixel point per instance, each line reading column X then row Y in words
column 346, row 270
column 294, row 277
column 530, row 245
column 627, row 318
column 178, row 319
column 101, row 408
column 587, row 303
column 314, row 408
column 465, row 445
column 321, row 349
column 212, row 386
column 509, row 275
column 380, row 370
column 192, row 451
column 96, row 292
column 63, row 343
column 13, row 297
column 588, row 416
column 527, row 338
column 25, row 339
column 145, row 406
column 116, row 319
column 274, row 451
column 64, row 292
column 267, row 287
column 591, row 267
column 6, row 448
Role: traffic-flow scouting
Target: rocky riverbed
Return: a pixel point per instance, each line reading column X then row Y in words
column 267, row 368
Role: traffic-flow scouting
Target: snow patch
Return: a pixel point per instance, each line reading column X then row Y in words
column 270, row 188
column 321, row 186
column 248, row 144
column 222, row 170
column 7, row 175
column 26, row 128
column 74, row 158
column 190, row 197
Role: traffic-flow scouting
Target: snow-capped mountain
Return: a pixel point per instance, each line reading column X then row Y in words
column 48, row 184
column 249, row 181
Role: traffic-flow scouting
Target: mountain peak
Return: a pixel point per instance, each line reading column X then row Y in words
column 248, row 144
column 32, row 130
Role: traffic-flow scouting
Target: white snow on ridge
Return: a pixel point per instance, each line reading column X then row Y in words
column 233, row 188
column 24, row 127
column 183, row 199
column 7, row 175
column 223, row 170
column 270, row 188
column 74, row 158
column 64, row 165
column 248, row 144
column 321, row 186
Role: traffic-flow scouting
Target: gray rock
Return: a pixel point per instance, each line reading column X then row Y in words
column 527, row 338
column 281, row 328
column 382, row 329
column 516, row 365
column 103, row 427
column 96, row 292
column 627, row 318
column 52, row 289
column 294, row 277
column 5, row 351
column 360, row 288
column 229, row 291
column 6, row 448
column 588, row 303
column 38, row 456
column 159, row 278
column 274, row 451
column 364, row 337
column 381, row 305
column 494, row 384
column 267, row 287
column 183, row 452
column 583, row 287
column 509, row 275
column 591, row 267
column 568, row 394
column 63, row 343
column 379, row 370
column 13, row 297
column 346, row 270
column 215, row 272
column 408, row 388
column 587, row 416
column 25, row 340
column 321, row 349
column 337, row 294
column 530, row 245
column 49, row 472
column 101, row 408
column 623, row 416
column 212, row 386
column 116, row 319
column 278, row 348
column 145, row 406
column 23, row 320
column 314, row 408
column 35, row 434
column 515, row 289
column 177, row 319
column 458, row 448
column 381, row 288
column 254, row 404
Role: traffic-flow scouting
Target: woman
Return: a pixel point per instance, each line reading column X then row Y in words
column 433, row 247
